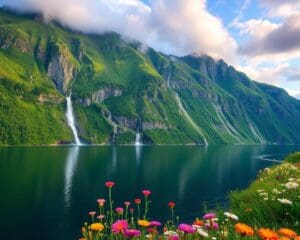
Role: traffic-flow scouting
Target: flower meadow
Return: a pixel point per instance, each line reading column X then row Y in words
column 269, row 210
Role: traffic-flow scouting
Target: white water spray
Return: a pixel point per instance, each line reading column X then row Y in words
column 71, row 120
column 138, row 139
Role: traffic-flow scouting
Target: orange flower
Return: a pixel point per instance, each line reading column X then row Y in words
column 267, row 234
column 284, row 238
column 297, row 238
column 286, row 232
column 144, row 223
column 97, row 227
column 244, row 229
column 198, row 222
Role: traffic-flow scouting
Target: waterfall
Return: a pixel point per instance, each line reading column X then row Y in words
column 138, row 139
column 71, row 120
column 115, row 127
column 183, row 111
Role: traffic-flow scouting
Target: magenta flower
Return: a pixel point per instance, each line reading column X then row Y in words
column 209, row 216
column 132, row 233
column 146, row 193
column 186, row 228
column 119, row 210
column 119, row 226
column 155, row 224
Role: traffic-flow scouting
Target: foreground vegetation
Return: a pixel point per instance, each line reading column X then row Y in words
column 269, row 210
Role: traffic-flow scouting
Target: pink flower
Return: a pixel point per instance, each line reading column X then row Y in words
column 173, row 237
column 212, row 225
column 209, row 216
column 109, row 184
column 119, row 210
column 132, row 233
column 101, row 202
column 137, row 201
column 186, row 228
column 92, row 213
column 127, row 204
column 155, row 224
column 119, row 226
column 146, row 193
column 100, row 216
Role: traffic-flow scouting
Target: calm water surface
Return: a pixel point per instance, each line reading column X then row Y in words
column 46, row 192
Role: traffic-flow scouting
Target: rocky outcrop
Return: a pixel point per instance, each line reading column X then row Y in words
column 10, row 39
column 61, row 70
column 105, row 93
column 153, row 125
column 101, row 95
column 123, row 121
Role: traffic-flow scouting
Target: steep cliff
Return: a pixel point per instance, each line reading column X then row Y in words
column 118, row 90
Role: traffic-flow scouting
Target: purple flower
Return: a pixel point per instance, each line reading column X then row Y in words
column 209, row 216
column 186, row 228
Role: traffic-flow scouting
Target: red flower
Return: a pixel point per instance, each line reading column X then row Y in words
column 171, row 204
column 109, row 184
column 146, row 193
column 137, row 201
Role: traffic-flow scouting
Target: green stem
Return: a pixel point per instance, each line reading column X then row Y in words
column 110, row 206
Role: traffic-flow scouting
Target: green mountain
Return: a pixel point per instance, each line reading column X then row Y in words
column 120, row 88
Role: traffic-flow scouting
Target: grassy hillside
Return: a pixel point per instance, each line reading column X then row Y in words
column 118, row 90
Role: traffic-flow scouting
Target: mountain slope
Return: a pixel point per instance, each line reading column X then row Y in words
column 119, row 88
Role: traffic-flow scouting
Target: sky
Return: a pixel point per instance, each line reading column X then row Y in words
column 258, row 37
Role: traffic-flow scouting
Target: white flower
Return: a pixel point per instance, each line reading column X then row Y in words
column 266, row 198
column 291, row 185
column 260, row 190
column 292, row 179
column 170, row 233
column 276, row 191
column 263, row 194
column 214, row 238
column 231, row 216
column 215, row 219
column 202, row 232
column 285, row 201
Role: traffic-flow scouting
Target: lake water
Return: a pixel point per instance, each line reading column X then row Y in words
column 46, row 192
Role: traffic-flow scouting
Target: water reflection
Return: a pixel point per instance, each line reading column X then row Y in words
column 72, row 159
column 52, row 180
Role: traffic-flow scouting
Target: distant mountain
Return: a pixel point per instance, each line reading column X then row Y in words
column 120, row 88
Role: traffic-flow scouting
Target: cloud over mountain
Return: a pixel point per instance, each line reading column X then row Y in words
column 172, row 26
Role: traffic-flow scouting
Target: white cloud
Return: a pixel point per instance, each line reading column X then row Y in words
column 172, row 26
column 281, row 8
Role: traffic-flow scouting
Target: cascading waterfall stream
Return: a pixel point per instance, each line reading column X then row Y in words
column 183, row 110
column 71, row 120
column 115, row 127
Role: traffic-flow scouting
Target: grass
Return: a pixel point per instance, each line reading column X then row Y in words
column 258, row 212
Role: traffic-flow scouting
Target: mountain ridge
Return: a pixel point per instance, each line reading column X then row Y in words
column 119, row 88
